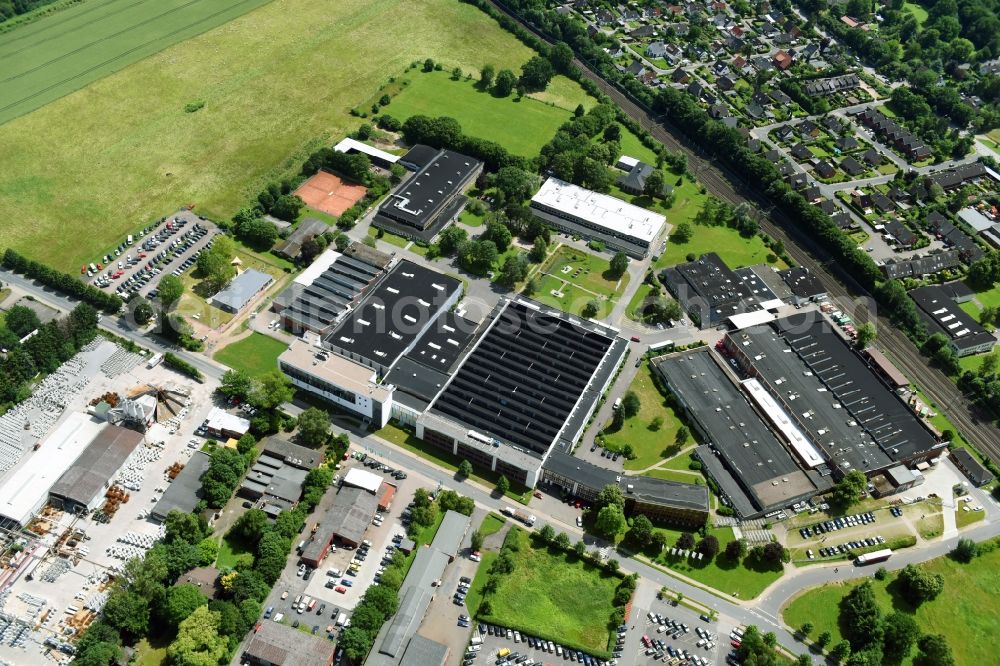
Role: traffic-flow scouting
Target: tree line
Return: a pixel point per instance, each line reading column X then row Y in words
column 64, row 282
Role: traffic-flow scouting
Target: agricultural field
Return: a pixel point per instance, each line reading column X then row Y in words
column 256, row 354
column 967, row 612
column 57, row 55
column 276, row 83
column 558, row 595
column 483, row 115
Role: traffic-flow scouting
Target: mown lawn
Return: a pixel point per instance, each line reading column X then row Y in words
column 150, row 652
column 230, row 551
column 558, row 596
column 744, row 580
column 967, row 612
column 918, row 12
column 256, row 354
column 734, row 249
column 649, row 446
column 482, row 114
column 492, row 524
column 277, row 82
column 587, row 271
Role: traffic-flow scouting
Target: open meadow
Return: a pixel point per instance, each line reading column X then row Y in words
column 64, row 52
column 276, row 83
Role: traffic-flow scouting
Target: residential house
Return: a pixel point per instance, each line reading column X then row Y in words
column 800, row 152
column 882, row 203
column 636, row 68
column 812, row 193
column 782, row 60
column 718, row 111
column 798, row 180
column 680, row 76
column 643, row 32
column 656, row 50
column 872, row 157
column 755, row 111
column 780, row 98
column 825, row 169
column 783, row 133
column 695, row 89
column 828, row 206
column 846, row 143
column 899, row 234
column 807, row 128
column 725, row 83
column 852, row 167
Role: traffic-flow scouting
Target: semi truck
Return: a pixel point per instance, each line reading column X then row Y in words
column 516, row 514
column 872, row 558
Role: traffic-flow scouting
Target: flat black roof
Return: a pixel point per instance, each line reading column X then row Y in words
column 758, row 288
column 830, row 377
column 441, row 345
column 710, row 288
column 416, row 379
column 419, row 199
column 802, row 282
column 942, row 315
column 526, row 374
column 419, row 156
column 749, row 449
column 393, row 314
column 184, row 492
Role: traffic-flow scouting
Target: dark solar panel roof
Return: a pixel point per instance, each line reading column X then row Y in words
column 525, row 376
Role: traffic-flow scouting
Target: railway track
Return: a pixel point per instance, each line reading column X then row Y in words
column 841, row 286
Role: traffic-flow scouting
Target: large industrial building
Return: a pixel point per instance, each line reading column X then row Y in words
column 709, row 291
column 330, row 287
column 83, row 486
column 184, row 493
column 432, row 197
column 276, row 644
column 578, row 211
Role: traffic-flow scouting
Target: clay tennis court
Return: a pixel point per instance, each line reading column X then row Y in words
column 329, row 193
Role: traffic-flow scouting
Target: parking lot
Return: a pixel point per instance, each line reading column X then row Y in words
column 501, row 645
column 675, row 634
column 170, row 247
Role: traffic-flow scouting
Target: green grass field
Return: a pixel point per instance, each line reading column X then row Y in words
column 492, row 524
column 256, row 354
column 967, row 612
column 558, row 596
column 744, row 580
column 587, row 279
column 59, row 54
column 230, row 551
column 918, row 12
column 650, row 446
column 483, row 115
column 735, row 250
column 277, row 83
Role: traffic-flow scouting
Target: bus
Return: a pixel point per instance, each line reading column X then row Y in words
column 873, row 557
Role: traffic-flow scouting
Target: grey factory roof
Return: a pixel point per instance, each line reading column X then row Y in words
column 242, row 289
column 450, row 533
column 646, row 488
column 802, row 282
column 709, row 289
column 394, row 314
column 308, row 229
column 765, row 468
column 943, row 315
column 829, row 378
column 757, row 286
column 526, row 375
column 418, row 202
column 96, row 466
column 424, row 652
column 351, row 513
column 291, row 454
column 184, row 492
column 281, row 645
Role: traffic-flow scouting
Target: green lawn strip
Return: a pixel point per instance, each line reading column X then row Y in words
column 634, row 309
column 256, row 354
column 744, row 580
column 964, row 518
column 634, row 147
column 940, row 422
column 492, row 524
column 407, row 440
column 648, row 446
column 475, row 595
column 734, row 249
column 96, row 41
column 254, row 74
column 392, row 239
column 918, row 12
column 680, row 462
column 480, row 113
column 588, row 271
column 230, row 550
column 470, row 219
column 564, row 93
column 967, row 611
column 556, row 596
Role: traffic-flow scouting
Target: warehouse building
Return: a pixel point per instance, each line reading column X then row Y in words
column 83, row 486
column 531, row 380
column 662, row 501
column 424, row 203
column 805, row 287
column 346, row 521
column 833, row 397
column 942, row 315
column 708, row 290
column 329, row 287
column 24, row 490
column 223, row 425
column 274, row 481
column 755, row 472
column 578, row 211
column 307, row 230
column 393, row 317
column 184, row 492
column 292, row 454
column 277, row 644
column 972, row 468
column 398, row 643
column 243, row 289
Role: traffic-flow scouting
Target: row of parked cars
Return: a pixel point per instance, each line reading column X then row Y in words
column 846, row 548
column 835, row 524
column 161, row 262
column 508, row 656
